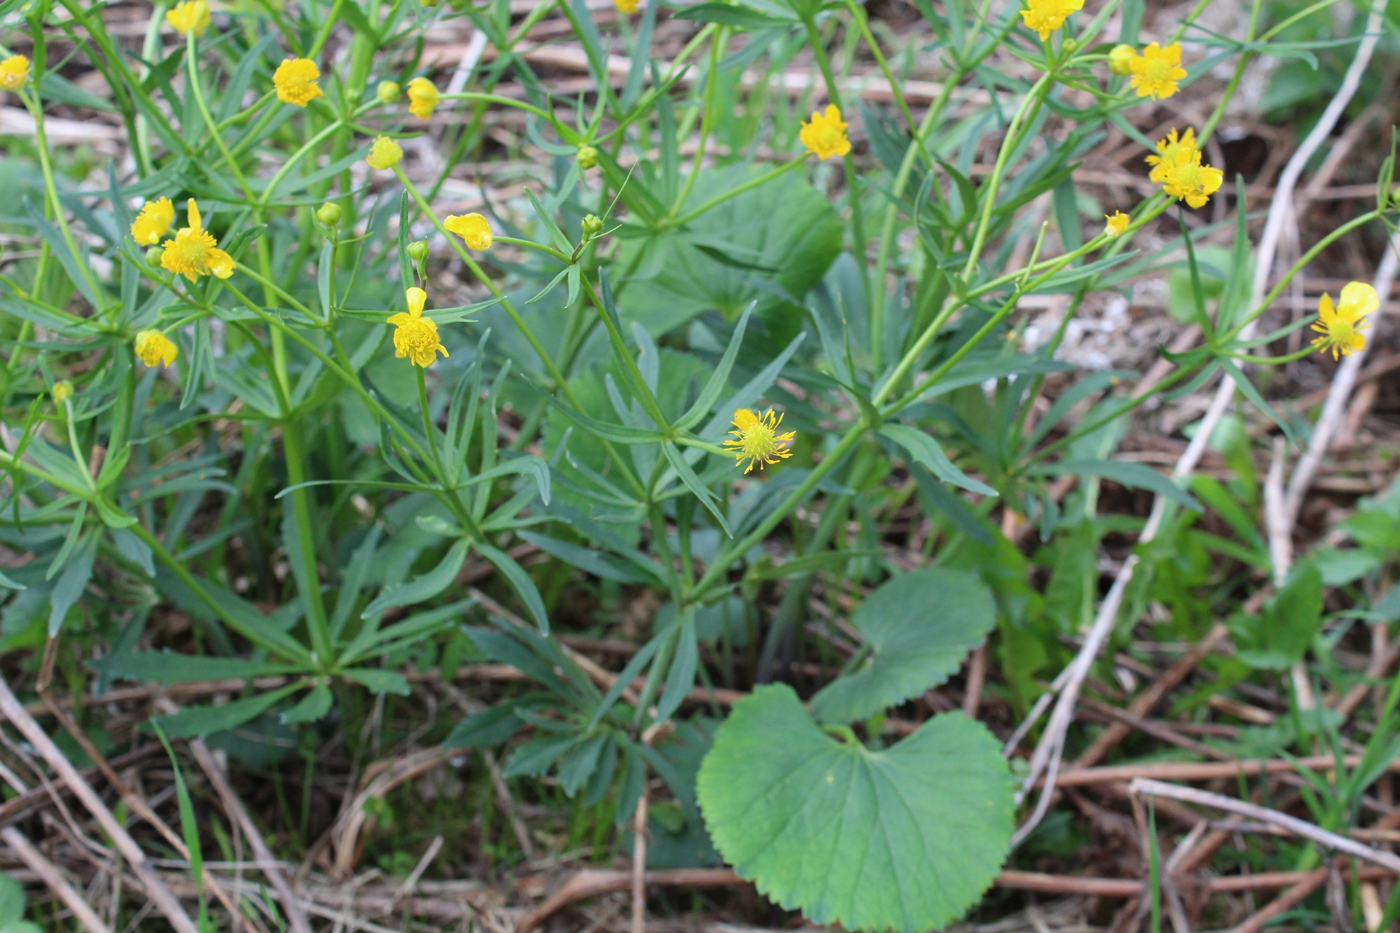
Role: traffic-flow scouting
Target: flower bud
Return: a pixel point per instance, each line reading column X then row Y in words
column 1120, row 60
column 592, row 226
column 329, row 213
column 1071, row 46
column 417, row 251
column 388, row 92
column 153, row 256
column 62, row 392
column 587, row 157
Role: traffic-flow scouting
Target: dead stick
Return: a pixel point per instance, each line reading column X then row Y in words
column 54, row 879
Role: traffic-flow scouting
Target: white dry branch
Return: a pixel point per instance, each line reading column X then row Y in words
column 1049, row 751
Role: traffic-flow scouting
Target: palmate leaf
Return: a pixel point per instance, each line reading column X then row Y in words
column 919, row 627
column 904, row 838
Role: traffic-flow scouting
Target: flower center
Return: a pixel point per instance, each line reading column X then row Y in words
column 1341, row 331
column 1158, row 69
column 193, row 245
column 416, row 335
column 759, row 441
column 830, row 138
column 1189, row 176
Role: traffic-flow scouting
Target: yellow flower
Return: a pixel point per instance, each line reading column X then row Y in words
column 1156, row 71
column 756, row 439
column 190, row 17
column 422, row 97
column 416, row 336
column 153, row 222
column 155, row 348
column 472, row 228
column 385, row 153
column 296, row 80
column 62, row 392
column 1117, row 223
column 1045, row 16
column 1191, row 181
column 1120, row 59
column 14, row 73
column 1167, row 151
column 627, row 7
column 194, row 251
column 1341, row 326
column 825, row 134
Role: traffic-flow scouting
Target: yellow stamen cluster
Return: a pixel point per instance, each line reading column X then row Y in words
column 14, row 73
column 155, row 349
column 154, row 221
column 194, row 251
column 295, row 80
column 190, row 18
column 472, row 228
column 1341, row 325
column 825, row 134
column 1178, row 168
column 756, row 439
column 1117, row 222
column 1045, row 16
column 1156, row 71
column 422, row 98
column 416, row 336
column 62, row 391
column 384, row 154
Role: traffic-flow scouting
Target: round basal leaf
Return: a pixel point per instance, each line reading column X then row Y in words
column 906, row 838
column 919, row 627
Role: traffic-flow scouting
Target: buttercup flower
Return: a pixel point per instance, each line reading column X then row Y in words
column 1167, row 151
column 472, row 228
column 189, row 18
column 62, row 392
column 195, row 252
column 295, row 80
column 1117, row 223
column 1341, row 326
column 1156, row 71
column 14, row 73
column 825, row 134
column 385, row 153
column 1045, row 16
column 627, row 7
column 154, row 221
column 155, row 349
column 756, row 439
column 1120, row 59
column 422, row 97
column 1189, row 180
column 416, row 336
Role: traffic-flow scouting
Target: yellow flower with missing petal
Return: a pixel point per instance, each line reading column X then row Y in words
column 1156, row 71
column 416, row 336
column 627, row 7
column 14, row 73
column 295, row 80
column 756, row 439
column 384, row 154
column 825, row 134
column 194, row 251
column 422, row 98
column 154, row 221
column 1341, row 326
column 1116, row 223
column 1168, row 150
column 1045, row 16
column 472, row 228
column 155, row 349
column 1190, row 180
column 189, row 18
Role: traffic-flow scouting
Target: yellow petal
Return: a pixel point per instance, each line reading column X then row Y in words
column 195, row 221
column 1359, row 299
column 416, row 299
column 744, row 419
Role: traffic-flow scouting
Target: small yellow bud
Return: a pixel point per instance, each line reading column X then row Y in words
column 329, row 213
column 388, row 92
column 62, row 392
column 587, row 157
column 417, row 250
column 154, row 255
column 384, row 154
column 1120, row 60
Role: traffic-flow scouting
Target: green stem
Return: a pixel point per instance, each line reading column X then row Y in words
column 737, row 190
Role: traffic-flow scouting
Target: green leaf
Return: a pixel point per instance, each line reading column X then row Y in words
column 926, row 452
column 71, row 583
column 718, row 379
column 903, row 838
column 312, row 707
column 425, row 587
column 919, row 627
column 207, row 720
column 520, row 580
column 697, row 486
column 1132, row 475
column 380, row 681
column 11, row 902
column 168, row 667
column 740, row 17
column 1291, row 620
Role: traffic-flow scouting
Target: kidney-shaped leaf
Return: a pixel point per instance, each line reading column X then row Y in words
column 919, row 627
column 906, row 838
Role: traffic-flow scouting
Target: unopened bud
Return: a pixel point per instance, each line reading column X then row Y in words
column 592, row 226
column 62, row 392
column 388, row 92
column 1120, row 60
column 153, row 256
column 417, row 250
column 587, row 157
column 329, row 213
